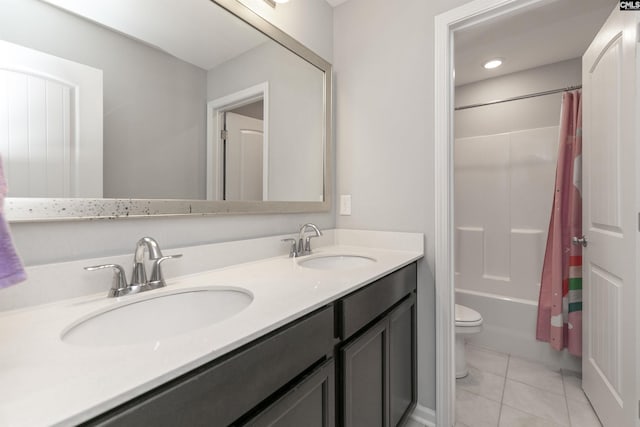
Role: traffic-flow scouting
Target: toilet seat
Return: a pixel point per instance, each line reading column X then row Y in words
column 467, row 317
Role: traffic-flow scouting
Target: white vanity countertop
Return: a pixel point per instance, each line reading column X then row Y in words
column 48, row 382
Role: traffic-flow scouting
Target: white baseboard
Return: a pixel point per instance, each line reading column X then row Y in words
column 424, row 416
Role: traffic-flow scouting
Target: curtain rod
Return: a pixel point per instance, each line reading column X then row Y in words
column 515, row 98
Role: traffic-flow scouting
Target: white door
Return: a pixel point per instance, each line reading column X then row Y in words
column 50, row 124
column 610, row 185
column 243, row 158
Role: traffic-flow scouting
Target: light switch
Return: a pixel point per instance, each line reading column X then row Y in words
column 345, row 204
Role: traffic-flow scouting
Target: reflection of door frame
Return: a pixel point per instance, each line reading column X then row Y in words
column 465, row 16
column 215, row 126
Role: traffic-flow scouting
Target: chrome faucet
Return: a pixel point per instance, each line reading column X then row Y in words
column 306, row 250
column 302, row 246
column 139, row 274
column 139, row 282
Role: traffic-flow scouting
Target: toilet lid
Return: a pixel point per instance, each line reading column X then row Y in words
column 466, row 315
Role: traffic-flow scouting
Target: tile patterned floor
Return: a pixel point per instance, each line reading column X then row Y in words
column 506, row 391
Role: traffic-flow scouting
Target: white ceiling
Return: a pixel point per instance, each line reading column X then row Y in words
column 191, row 30
column 541, row 35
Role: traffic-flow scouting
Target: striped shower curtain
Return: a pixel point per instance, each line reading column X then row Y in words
column 560, row 303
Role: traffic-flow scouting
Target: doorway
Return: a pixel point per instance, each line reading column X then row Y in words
column 471, row 17
column 243, row 158
column 238, row 145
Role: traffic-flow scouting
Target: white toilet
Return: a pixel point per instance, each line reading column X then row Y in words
column 468, row 322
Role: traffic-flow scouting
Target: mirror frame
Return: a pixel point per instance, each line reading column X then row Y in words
column 57, row 209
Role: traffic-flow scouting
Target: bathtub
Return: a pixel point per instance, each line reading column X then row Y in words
column 510, row 327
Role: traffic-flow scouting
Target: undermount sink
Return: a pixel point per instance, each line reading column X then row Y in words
column 157, row 317
column 335, row 262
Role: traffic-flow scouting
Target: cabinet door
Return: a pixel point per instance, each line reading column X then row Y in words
column 402, row 361
column 379, row 371
column 365, row 378
column 311, row 403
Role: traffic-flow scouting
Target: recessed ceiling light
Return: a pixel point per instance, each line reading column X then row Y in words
column 494, row 63
column 272, row 3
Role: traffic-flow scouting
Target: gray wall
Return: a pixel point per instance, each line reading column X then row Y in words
column 296, row 91
column 154, row 104
column 383, row 62
column 529, row 113
column 39, row 243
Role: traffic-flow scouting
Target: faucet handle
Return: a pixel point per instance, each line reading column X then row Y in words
column 293, row 250
column 307, row 243
column 157, row 279
column 119, row 278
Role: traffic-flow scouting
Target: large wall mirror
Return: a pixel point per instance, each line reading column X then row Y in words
column 114, row 108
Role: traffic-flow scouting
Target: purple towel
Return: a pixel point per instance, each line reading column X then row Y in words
column 11, row 270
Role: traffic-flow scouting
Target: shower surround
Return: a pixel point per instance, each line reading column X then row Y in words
column 504, row 190
column 503, row 196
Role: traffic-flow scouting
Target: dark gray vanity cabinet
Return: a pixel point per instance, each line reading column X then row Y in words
column 267, row 377
column 377, row 361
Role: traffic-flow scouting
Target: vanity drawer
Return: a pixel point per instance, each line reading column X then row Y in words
column 363, row 306
column 309, row 403
column 220, row 392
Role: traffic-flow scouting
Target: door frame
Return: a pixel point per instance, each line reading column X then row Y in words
column 215, row 124
column 465, row 16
